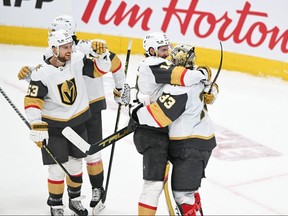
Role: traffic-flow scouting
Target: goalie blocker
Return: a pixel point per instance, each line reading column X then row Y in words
column 91, row 148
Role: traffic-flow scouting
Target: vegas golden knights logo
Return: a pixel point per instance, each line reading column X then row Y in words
column 68, row 91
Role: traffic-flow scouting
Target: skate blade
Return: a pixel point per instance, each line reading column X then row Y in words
column 98, row 208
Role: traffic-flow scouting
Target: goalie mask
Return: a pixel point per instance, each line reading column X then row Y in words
column 155, row 40
column 183, row 55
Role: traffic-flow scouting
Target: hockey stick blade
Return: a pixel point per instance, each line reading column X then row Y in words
column 74, row 138
column 90, row 149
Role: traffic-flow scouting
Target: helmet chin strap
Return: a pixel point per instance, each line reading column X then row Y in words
column 62, row 63
column 57, row 59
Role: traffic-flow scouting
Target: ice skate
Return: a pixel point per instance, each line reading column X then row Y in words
column 76, row 207
column 96, row 202
column 57, row 210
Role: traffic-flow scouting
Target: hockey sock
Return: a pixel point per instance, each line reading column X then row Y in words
column 96, row 174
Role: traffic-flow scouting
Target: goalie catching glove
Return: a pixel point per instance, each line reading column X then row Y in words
column 209, row 98
column 122, row 95
column 39, row 133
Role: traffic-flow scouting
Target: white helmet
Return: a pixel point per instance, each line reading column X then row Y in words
column 155, row 40
column 58, row 38
column 65, row 22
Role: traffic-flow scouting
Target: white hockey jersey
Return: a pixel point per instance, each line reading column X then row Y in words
column 153, row 72
column 95, row 86
column 59, row 95
column 183, row 109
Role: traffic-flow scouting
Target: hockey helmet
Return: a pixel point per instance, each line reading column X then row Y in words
column 155, row 40
column 183, row 55
column 58, row 38
column 65, row 22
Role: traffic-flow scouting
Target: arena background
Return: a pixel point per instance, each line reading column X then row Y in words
column 254, row 33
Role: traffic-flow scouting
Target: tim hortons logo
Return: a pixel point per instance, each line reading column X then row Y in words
column 255, row 33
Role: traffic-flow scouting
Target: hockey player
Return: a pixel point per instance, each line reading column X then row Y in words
column 95, row 90
column 191, row 134
column 56, row 98
column 152, row 142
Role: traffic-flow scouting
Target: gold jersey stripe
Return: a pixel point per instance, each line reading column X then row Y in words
column 193, row 136
column 158, row 115
column 177, row 76
column 97, row 99
column 65, row 120
column 115, row 64
column 33, row 102
column 97, row 71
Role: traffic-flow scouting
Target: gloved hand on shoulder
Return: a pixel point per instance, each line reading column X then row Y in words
column 24, row 72
column 133, row 108
column 205, row 70
column 122, row 95
column 39, row 133
column 209, row 98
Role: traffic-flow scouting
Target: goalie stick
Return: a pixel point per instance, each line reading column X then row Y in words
column 219, row 68
column 174, row 211
column 47, row 149
column 167, row 193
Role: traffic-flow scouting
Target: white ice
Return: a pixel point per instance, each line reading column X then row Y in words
column 246, row 175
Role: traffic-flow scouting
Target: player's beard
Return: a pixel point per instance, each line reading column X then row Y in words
column 64, row 58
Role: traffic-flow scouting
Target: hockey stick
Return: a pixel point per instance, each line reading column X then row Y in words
column 116, row 124
column 166, row 191
column 90, row 149
column 175, row 211
column 219, row 68
column 73, row 178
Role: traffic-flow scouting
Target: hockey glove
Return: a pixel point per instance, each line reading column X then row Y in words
column 133, row 108
column 24, row 72
column 210, row 98
column 122, row 96
column 39, row 133
column 99, row 46
column 205, row 70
